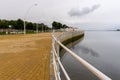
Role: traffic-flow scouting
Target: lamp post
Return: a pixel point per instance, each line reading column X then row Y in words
column 26, row 16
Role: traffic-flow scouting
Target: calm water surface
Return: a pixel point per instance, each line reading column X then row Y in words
column 99, row 48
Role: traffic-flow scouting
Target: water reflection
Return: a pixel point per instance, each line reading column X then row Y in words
column 75, row 69
column 85, row 50
column 100, row 50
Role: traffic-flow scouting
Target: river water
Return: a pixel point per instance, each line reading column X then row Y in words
column 99, row 48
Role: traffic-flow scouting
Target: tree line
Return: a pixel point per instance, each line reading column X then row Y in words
column 58, row 25
column 19, row 25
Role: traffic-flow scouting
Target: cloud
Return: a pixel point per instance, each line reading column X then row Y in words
column 77, row 12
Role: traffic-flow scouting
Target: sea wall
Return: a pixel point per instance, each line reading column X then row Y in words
column 69, row 39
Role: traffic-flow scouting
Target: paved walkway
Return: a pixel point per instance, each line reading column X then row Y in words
column 25, row 57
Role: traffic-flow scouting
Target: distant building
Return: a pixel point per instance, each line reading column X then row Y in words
column 71, row 29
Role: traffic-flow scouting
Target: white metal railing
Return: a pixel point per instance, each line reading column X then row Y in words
column 57, row 63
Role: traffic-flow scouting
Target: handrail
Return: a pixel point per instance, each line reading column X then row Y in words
column 63, row 69
column 57, row 63
column 91, row 68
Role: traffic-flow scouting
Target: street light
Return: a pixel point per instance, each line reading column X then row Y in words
column 26, row 17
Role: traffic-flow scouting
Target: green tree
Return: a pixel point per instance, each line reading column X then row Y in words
column 29, row 26
column 3, row 24
column 54, row 25
column 13, row 24
column 58, row 25
column 20, row 24
column 64, row 26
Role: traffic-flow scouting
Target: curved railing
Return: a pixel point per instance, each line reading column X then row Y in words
column 57, row 63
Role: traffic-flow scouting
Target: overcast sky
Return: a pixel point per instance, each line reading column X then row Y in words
column 69, row 12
